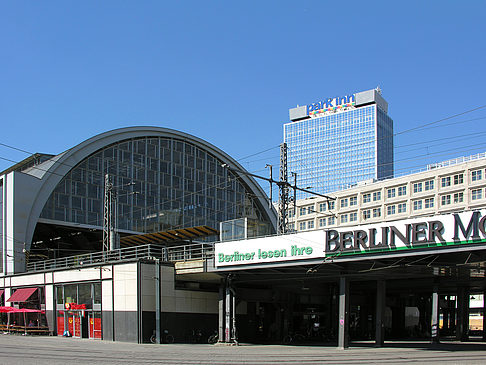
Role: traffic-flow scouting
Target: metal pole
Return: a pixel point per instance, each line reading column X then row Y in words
column 107, row 214
column 294, row 174
column 221, row 312
column 227, row 312
column 157, row 301
column 271, row 187
column 233, row 314
column 284, row 192
column 435, row 315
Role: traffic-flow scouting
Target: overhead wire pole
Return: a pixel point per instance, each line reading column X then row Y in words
column 109, row 216
column 271, row 187
column 283, row 198
column 283, row 186
column 294, row 174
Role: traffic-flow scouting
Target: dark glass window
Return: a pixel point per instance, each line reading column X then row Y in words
column 162, row 183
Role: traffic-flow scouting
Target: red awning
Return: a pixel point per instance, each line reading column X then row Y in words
column 4, row 309
column 21, row 295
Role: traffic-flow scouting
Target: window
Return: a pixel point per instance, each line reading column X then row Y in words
column 458, row 197
column 376, row 196
column 97, row 293
column 458, row 179
column 366, row 214
column 310, row 224
column 376, row 212
column 331, row 205
column 353, row 201
column 402, row 190
column 344, row 218
column 344, row 202
column 391, row 193
column 429, row 185
column 366, row 198
column 390, row 210
column 417, row 205
column 476, row 175
column 429, row 203
column 476, row 194
column 310, row 209
column 322, row 222
column 402, row 208
column 302, row 226
column 322, row 207
column 331, row 221
column 445, row 200
column 302, row 211
column 353, row 217
column 446, row 181
column 291, row 213
column 417, row 187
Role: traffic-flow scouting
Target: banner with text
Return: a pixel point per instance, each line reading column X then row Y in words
column 402, row 235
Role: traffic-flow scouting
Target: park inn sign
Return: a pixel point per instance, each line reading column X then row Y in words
column 410, row 234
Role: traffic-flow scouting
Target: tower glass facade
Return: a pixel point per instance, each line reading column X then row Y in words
column 334, row 151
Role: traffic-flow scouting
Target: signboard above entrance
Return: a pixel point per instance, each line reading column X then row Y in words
column 398, row 236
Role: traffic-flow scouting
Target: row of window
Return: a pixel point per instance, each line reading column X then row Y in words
column 396, row 209
column 449, row 198
column 402, row 191
column 420, row 204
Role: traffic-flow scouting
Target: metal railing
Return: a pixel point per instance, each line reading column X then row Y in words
column 194, row 251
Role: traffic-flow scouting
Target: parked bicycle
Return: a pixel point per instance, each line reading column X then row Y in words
column 213, row 338
column 196, row 336
column 293, row 338
column 165, row 337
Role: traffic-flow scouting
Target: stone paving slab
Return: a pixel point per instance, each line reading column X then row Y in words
column 59, row 350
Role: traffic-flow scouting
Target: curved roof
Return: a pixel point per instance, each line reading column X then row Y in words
column 51, row 172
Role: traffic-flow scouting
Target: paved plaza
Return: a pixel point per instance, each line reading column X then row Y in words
column 58, row 350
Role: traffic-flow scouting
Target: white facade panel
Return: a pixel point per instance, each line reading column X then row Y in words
column 28, row 280
column 77, row 275
column 125, row 287
column 50, row 296
column 107, row 295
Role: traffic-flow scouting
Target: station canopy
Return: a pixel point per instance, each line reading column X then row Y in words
column 170, row 236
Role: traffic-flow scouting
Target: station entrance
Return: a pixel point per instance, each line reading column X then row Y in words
column 416, row 297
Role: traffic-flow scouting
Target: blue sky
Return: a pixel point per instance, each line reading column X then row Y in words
column 228, row 71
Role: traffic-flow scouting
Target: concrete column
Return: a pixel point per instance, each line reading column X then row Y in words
column 343, row 333
column 221, row 314
column 227, row 315
column 380, row 313
column 435, row 316
column 462, row 324
column 157, row 301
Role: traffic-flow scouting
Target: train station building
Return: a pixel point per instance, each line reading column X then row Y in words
column 196, row 250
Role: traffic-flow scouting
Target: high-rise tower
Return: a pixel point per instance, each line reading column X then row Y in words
column 337, row 142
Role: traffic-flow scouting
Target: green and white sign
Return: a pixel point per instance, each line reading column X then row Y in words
column 410, row 234
column 270, row 249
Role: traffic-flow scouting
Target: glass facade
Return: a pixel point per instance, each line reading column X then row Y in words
column 335, row 151
column 161, row 183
